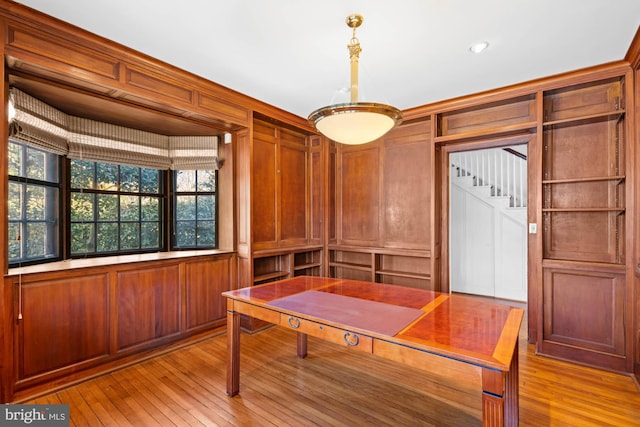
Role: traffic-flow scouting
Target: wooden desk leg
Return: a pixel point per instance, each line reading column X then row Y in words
column 233, row 350
column 500, row 395
column 302, row 345
column 512, row 391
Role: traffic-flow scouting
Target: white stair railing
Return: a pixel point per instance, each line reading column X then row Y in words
column 504, row 170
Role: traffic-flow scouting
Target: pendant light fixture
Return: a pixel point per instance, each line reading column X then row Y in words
column 355, row 122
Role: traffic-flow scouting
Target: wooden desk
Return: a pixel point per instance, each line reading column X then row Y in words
column 424, row 329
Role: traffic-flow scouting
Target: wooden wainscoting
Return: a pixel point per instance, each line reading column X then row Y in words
column 333, row 387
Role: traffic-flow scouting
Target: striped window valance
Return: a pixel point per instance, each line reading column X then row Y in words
column 38, row 124
column 41, row 125
column 193, row 152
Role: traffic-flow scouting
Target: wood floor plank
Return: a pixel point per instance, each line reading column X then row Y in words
column 334, row 386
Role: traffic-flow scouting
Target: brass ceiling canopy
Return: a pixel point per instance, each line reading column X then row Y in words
column 355, row 122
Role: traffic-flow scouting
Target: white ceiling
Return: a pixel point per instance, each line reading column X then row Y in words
column 292, row 53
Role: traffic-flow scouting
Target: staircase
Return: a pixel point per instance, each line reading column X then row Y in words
column 488, row 223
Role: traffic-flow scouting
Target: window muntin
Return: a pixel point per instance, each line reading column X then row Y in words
column 114, row 209
column 34, row 204
column 195, row 207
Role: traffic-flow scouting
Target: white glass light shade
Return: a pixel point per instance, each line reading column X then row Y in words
column 355, row 123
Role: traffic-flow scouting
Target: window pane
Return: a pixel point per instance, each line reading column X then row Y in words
column 15, row 240
column 15, row 201
column 41, row 165
column 130, row 235
column 82, row 207
column 107, row 237
column 117, row 218
column 107, row 176
column 129, row 178
column 35, row 164
column 150, row 180
column 150, row 235
column 82, row 238
column 150, row 208
column 206, row 234
column 129, row 208
column 207, row 180
column 107, row 207
column 206, row 207
column 185, row 233
column 35, row 202
column 185, row 207
column 185, row 181
column 35, row 239
column 15, row 153
column 82, row 172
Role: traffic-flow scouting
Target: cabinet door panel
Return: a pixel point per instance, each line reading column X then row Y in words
column 149, row 305
column 407, row 172
column 205, row 281
column 583, row 316
column 316, row 233
column 264, row 189
column 293, row 192
column 360, row 195
column 79, row 306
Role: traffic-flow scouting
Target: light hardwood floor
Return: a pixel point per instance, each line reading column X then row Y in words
column 333, row 386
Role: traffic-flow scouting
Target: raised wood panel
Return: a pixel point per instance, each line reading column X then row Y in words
column 220, row 107
column 148, row 302
column 316, row 233
column 585, row 100
column 264, row 187
column 332, row 189
column 359, row 212
column 583, row 316
column 69, row 57
column 488, row 116
column 406, row 187
column 205, row 281
column 159, row 86
column 293, row 189
column 64, row 321
column 243, row 185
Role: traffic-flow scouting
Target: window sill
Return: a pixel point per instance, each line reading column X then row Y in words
column 72, row 264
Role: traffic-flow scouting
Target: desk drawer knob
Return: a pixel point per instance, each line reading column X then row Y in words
column 294, row 322
column 351, row 340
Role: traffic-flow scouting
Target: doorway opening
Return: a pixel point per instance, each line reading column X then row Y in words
column 488, row 222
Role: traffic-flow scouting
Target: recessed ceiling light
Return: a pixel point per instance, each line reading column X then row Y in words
column 479, row 47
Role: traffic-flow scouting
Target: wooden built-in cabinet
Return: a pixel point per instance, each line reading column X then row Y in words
column 382, row 226
column 280, row 189
column 281, row 225
column 584, row 192
column 71, row 320
column 633, row 55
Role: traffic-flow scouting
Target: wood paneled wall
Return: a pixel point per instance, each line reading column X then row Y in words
column 383, row 196
column 67, row 321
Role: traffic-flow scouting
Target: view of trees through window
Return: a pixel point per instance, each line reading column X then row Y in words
column 111, row 209
column 114, row 208
column 195, row 209
column 34, row 195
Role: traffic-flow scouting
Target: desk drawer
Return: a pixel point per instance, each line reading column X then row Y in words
column 255, row 311
column 343, row 337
